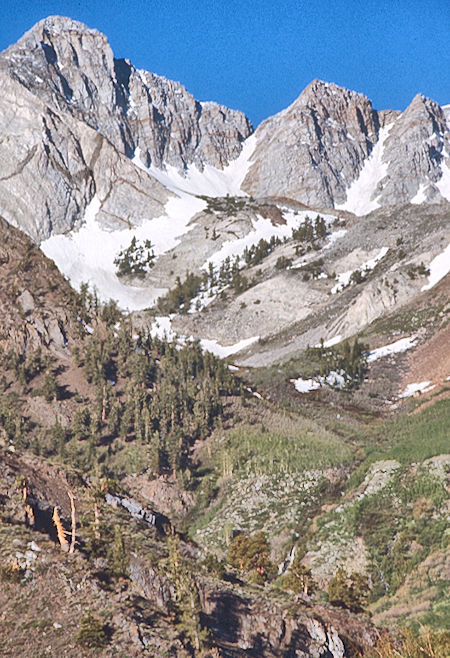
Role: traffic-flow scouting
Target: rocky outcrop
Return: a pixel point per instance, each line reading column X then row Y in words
column 318, row 147
column 315, row 148
column 71, row 117
column 417, row 146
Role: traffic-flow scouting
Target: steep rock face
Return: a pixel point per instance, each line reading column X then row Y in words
column 71, row 116
column 72, row 68
column 52, row 165
column 331, row 149
column 171, row 127
column 45, row 181
column 417, row 145
column 314, row 149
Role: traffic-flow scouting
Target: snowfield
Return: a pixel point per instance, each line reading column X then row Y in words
column 360, row 195
column 87, row 254
column 439, row 267
column 211, row 181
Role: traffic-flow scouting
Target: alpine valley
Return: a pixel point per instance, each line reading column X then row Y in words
column 224, row 366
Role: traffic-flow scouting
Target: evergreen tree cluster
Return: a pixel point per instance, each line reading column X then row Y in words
column 212, row 282
column 255, row 254
column 348, row 591
column 229, row 205
column 178, row 299
column 312, row 270
column 147, row 396
column 298, row 578
column 251, row 553
column 153, row 392
column 348, row 360
column 25, row 368
column 187, row 600
column 136, row 260
column 309, row 231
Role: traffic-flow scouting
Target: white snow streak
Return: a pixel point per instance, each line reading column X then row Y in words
column 420, row 387
column 360, row 195
column 439, row 267
column 331, row 341
column 211, row 181
column 420, row 197
column 262, row 229
column 162, row 328
column 393, row 348
column 334, row 237
column 443, row 184
column 226, row 350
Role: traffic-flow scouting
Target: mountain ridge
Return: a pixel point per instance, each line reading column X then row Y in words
column 315, row 151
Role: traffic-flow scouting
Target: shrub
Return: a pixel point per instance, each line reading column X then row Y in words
column 283, row 263
column 92, row 633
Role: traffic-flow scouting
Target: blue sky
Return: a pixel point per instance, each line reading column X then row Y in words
column 258, row 55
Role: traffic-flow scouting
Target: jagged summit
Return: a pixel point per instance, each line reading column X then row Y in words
column 73, row 117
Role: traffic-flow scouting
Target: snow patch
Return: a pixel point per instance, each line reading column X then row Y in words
column 344, row 278
column 223, row 351
column 337, row 235
column 420, row 387
column 305, row 385
column 332, row 341
column 162, row 328
column 439, row 267
column 333, row 378
column 360, row 195
column 420, row 196
column 393, row 348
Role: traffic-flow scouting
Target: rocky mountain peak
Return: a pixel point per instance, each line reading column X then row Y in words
column 317, row 145
column 414, row 152
column 72, row 117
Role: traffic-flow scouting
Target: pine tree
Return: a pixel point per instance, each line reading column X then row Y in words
column 119, row 561
column 299, row 578
column 187, row 599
